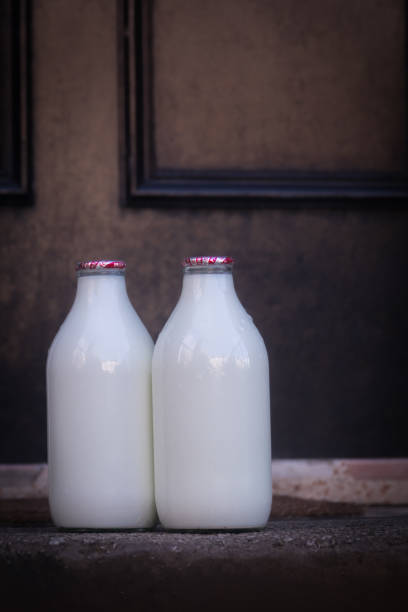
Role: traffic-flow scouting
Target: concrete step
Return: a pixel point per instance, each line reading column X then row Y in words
column 332, row 563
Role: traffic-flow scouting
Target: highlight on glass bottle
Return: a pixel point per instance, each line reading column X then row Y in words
column 211, row 409
column 100, row 446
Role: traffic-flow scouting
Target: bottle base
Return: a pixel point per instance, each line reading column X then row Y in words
column 221, row 520
column 210, row 530
column 102, row 517
column 104, row 529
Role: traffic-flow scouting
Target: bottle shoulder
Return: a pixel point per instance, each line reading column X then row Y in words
column 99, row 335
column 212, row 333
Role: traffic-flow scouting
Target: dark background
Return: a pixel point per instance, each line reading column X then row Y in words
column 324, row 280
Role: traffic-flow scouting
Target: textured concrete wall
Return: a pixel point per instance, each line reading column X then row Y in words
column 326, row 288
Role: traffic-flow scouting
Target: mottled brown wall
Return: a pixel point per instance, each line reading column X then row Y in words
column 326, row 288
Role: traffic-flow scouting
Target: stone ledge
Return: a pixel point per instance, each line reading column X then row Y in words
column 358, row 481
column 35, row 511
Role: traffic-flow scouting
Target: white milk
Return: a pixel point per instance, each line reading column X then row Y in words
column 211, row 409
column 99, row 410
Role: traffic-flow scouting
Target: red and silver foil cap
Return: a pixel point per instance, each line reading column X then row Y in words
column 99, row 264
column 207, row 261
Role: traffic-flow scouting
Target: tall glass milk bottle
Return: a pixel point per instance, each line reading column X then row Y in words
column 211, row 411
column 100, row 453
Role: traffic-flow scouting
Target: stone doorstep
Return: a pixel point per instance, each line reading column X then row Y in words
column 336, row 565
column 356, row 481
column 328, row 554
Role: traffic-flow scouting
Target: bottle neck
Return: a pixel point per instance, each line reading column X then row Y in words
column 201, row 286
column 101, row 289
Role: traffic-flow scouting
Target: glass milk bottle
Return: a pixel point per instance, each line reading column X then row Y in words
column 211, row 412
column 100, row 453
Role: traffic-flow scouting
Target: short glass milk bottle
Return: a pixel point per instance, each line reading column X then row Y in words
column 211, row 412
column 100, row 451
